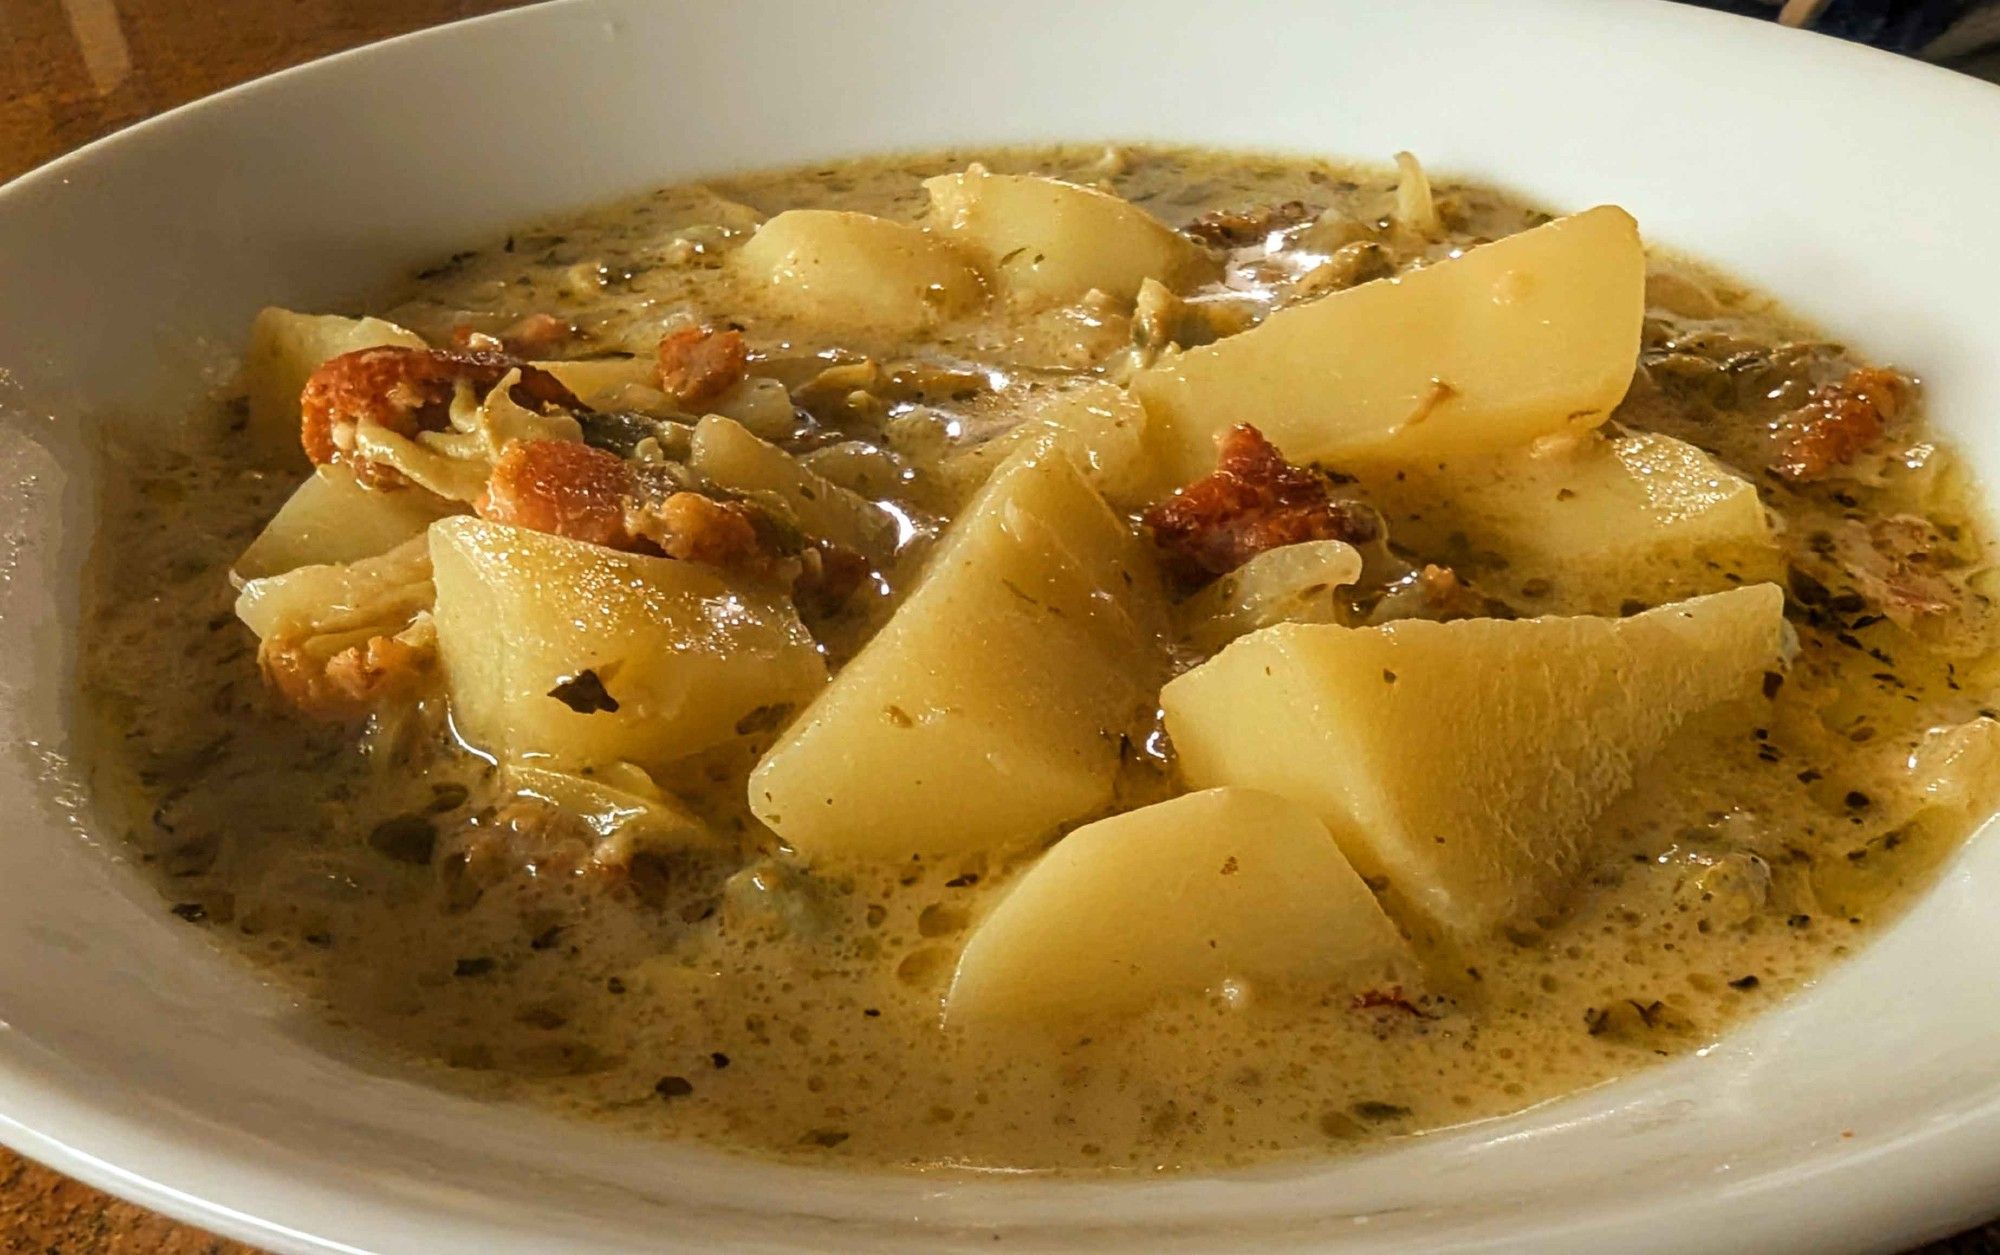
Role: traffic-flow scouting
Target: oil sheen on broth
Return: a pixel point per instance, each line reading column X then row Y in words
column 743, row 996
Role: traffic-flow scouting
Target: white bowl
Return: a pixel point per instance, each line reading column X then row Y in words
column 1863, row 1114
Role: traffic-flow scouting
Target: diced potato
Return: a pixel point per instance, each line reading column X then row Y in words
column 1102, row 428
column 834, row 266
column 989, row 709
column 381, row 593
column 963, row 473
column 1950, row 772
column 1290, row 584
column 1464, row 762
column 730, row 457
column 1223, row 885
column 621, row 804
column 1054, row 241
column 763, row 406
column 1531, row 335
column 1954, row 769
column 1600, row 521
column 284, row 350
column 867, row 470
column 684, row 654
column 1925, row 793
column 332, row 519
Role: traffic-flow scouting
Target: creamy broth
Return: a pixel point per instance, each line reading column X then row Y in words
column 746, row 997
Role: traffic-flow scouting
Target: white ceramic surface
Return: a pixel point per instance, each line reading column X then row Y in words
column 1861, row 1116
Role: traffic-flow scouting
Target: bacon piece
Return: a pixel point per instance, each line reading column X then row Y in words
column 536, row 335
column 828, row 575
column 349, row 684
column 1387, row 999
column 694, row 528
column 1234, row 228
column 583, row 493
column 1893, row 562
column 406, row 391
column 561, row 487
column 699, row 364
column 524, row 840
column 527, row 842
column 1254, row 501
column 1837, row 423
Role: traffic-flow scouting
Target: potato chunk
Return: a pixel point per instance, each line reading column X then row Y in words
column 728, row 456
column 1052, row 241
column 331, row 519
column 1600, row 522
column 285, row 348
column 1222, row 885
column 565, row 654
column 829, row 266
column 989, row 709
column 1530, row 335
column 1465, row 761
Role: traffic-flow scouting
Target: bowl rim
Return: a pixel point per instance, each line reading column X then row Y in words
column 1900, row 1196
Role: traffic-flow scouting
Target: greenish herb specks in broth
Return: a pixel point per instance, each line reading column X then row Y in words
column 591, row 907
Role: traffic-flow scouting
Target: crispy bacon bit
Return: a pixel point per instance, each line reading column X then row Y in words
column 1391, row 998
column 699, row 364
column 694, row 528
column 1893, row 563
column 525, row 838
column 407, row 391
column 829, row 574
column 1837, row 424
column 1234, row 228
column 585, row 493
column 529, row 841
column 348, row 685
column 536, row 335
column 1254, row 501
column 561, row 487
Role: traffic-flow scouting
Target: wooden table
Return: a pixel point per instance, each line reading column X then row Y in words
column 70, row 71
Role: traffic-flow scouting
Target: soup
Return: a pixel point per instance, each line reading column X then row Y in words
column 1099, row 659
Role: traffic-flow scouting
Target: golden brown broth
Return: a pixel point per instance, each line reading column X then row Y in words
column 801, row 1010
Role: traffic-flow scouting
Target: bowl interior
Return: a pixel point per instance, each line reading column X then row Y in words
column 1863, row 1113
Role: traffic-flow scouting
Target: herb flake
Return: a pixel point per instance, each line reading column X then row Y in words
column 584, row 693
